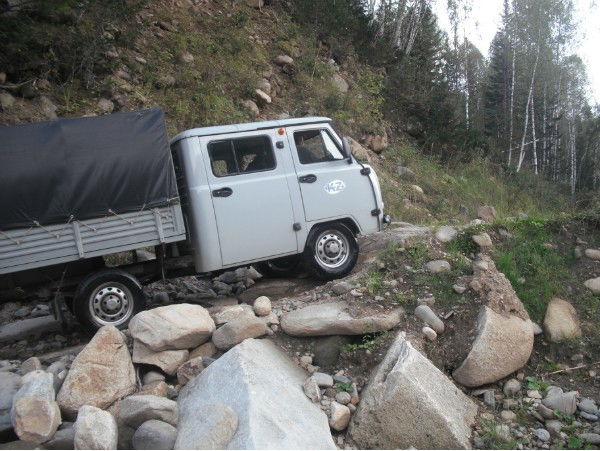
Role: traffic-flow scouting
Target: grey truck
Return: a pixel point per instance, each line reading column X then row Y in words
column 277, row 194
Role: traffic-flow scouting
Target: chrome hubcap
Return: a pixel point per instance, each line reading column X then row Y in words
column 332, row 249
column 111, row 303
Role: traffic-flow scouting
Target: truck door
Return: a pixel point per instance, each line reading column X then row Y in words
column 250, row 196
column 331, row 187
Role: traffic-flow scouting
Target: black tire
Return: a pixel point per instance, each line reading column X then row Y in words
column 280, row 267
column 334, row 265
column 108, row 297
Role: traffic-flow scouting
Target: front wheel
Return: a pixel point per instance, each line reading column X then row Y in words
column 331, row 251
column 108, row 297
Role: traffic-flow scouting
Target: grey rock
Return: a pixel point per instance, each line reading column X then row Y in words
column 327, row 349
column 343, row 397
column 9, row 385
column 323, row 380
column 489, row 398
column 311, row 389
column 63, row 439
column 588, row 405
column 136, row 409
column 342, row 287
column 556, row 399
column 333, row 318
column 106, row 106
column 487, row 213
column 437, row 266
column 542, row 434
column 553, row 427
column 284, row 60
column 392, row 412
column 273, row 412
column 429, row 333
column 22, row 312
column 459, row 289
column 446, row 234
column 6, row 100
column 233, row 312
column 561, row 322
column 590, row 437
column 152, row 376
column 238, row 330
column 508, row 416
column 172, row 327
column 251, row 106
column 512, row 387
column 95, row 429
column 428, row 316
column 588, row 416
column 154, row 434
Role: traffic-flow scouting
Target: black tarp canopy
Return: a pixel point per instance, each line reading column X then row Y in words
column 73, row 169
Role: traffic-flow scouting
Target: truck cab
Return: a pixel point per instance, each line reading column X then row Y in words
column 278, row 192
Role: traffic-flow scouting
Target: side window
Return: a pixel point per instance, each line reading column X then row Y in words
column 241, row 155
column 316, row 146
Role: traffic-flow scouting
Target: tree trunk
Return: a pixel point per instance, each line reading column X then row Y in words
column 529, row 97
column 534, row 144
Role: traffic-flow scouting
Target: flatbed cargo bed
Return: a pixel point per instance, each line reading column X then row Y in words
column 40, row 246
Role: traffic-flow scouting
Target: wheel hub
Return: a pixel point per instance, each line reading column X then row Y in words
column 111, row 303
column 332, row 249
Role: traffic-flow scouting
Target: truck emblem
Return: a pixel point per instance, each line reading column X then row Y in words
column 335, row 186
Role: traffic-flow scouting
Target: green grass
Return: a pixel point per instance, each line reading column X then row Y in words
column 373, row 282
column 536, row 271
column 492, row 439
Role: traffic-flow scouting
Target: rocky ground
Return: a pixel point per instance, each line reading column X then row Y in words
column 415, row 329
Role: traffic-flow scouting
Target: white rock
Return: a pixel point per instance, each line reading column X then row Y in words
column 323, row 379
column 283, row 60
column 593, row 285
column 593, row 254
column 437, row 266
column 262, row 306
column 446, row 234
column 561, row 322
column 556, row 399
column 339, row 416
column 482, row 240
column 177, row 326
column 95, row 429
column 459, row 289
column 406, row 396
column 512, row 387
column 273, row 411
column 252, row 106
column 429, row 333
column 35, row 419
column 311, row 389
column 428, row 316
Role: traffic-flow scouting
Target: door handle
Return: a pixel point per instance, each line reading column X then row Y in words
column 310, row 178
column 223, row 192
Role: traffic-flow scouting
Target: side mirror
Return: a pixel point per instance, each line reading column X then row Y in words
column 346, row 149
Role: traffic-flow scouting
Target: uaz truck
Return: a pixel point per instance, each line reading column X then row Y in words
column 73, row 191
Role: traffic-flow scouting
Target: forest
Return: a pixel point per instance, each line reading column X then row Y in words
column 525, row 107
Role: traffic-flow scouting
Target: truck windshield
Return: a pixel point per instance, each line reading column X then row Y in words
column 316, row 146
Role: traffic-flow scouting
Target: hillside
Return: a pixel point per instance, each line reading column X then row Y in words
column 202, row 63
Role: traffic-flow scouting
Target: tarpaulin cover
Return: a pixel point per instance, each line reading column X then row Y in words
column 73, row 169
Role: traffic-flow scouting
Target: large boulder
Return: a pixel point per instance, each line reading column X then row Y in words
column 9, row 385
column 503, row 345
column 100, row 374
column 272, row 410
column 335, row 318
column 95, row 429
column 410, row 403
column 593, row 285
column 35, row 415
column 168, row 361
column 504, row 339
column 560, row 322
column 178, row 326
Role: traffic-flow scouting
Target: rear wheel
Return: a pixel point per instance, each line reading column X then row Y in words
column 280, row 267
column 331, row 251
column 108, row 297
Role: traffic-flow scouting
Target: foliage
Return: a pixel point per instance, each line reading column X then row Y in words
column 340, row 387
column 533, row 383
